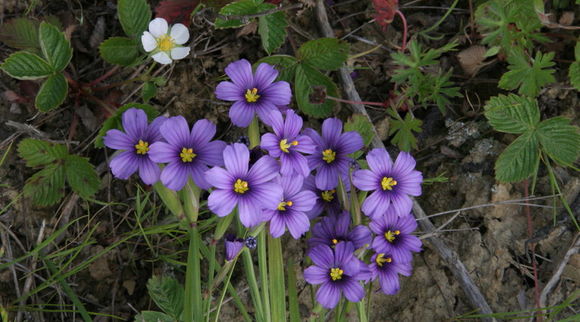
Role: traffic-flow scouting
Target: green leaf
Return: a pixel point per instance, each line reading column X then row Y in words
column 306, row 79
column 114, row 122
column 152, row 316
column 46, row 187
column 512, row 114
column 149, row 91
column 272, row 29
column 238, row 8
column 134, row 16
column 39, row 152
column 55, row 47
column 25, row 65
column 403, row 130
column 560, row 140
column 119, row 51
column 52, row 93
column 528, row 78
column 323, row 53
column 168, row 294
column 21, row 33
column 81, row 176
column 519, row 160
column 284, row 64
column 361, row 124
column 574, row 72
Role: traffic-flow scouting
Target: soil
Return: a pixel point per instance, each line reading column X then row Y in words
column 492, row 241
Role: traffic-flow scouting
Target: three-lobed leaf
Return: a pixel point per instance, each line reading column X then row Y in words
column 512, row 113
column 119, row 51
column 305, row 83
column 324, row 53
column 52, row 93
column 168, row 294
column 26, row 65
column 55, row 47
column 519, row 160
column 134, row 16
column 559, row 140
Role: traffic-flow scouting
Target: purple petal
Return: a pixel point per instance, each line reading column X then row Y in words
column 365, row 180
column 220, row 178
column 116, row 139
column 124, row 164
column 153, row 132
column 389, row 282
column 292, row 125
column 134, row 122
column 176, row 131
column 233, row 248
column 250, row 212
column 340, row 223
column 291, row 185
column 322, row 256
column 326, row 178
column 406, row 224
column 276, row 121
column 411, row 184
column 379, row 161
column 264, row 170
column 212, row 153
column 404, row 164
column 271, row 143
column 264, row 109
column 360, row 236
column 352, row 290
column 162, row 152
column 264, row 76
column 148, row 171
column 305, row 144
column 331, row 129
column 197, row 172
column 378, row 225
column 278, row 93
column 314, row 136
column 380, row 245
column 376, row 204
column 269, row 195
column 174, row 176
column 316, row 275
column 202, row 132
column 236, row 159
column 350, row 142
column 328, row 295
column 401, row 204
column 241, row 113
column 222, row 202
column 297, row 223
column 240, row 72
column 343, row 253
column 277, row 225
column 304, row 201
column 229, row 91
column 294, row 163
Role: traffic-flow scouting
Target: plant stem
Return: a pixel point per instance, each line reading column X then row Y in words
column 353, row 102
column 254, row 133
column 226, row 284
column 402, row 16
column 263, row 267
column 252, row 281
column 277, row 285
column 193, row 308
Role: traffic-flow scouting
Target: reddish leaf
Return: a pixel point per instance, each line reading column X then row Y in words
column 385, row 11
column 176, row 11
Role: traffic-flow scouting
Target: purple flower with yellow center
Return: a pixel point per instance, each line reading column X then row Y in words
column 291, row 210
column 392, row 184
column 252, row 92
column 188, row 153
column 332, row 230
column 338, row 272
column 287, row 144
column 233, row 246
column 330, row 158
column 252, row 190
column 327, row 199
column 394, row 236
column 386, row 268
column 136, row 144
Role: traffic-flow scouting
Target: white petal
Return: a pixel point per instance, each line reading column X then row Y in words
column 158, row 27
column 162, row 58
column 179, row 33
column 148, row 41
column 179, row 52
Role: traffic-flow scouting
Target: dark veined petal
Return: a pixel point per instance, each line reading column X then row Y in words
column 328, row 295
column 134, row 122
column 240, row 72
column 222, row 202
column 148, row 171
column 229, row 91
column 176, row 131
column 264, row 76
column 236, row 159
column 124, row 164
column 316, row 275
column 380, row 162
column 118, row 140
column 202, row 132
column 241, row 113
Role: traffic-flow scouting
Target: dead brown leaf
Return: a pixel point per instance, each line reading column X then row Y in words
column 471, row 59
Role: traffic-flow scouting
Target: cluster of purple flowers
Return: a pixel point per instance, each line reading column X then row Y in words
column 293, row 184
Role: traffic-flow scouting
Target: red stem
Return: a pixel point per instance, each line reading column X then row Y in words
column 106, row 75
column 354, row 102
column 534, row 265
column 404, row 29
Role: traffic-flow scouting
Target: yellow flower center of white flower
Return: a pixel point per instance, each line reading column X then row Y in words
column 283, row 204
column 328, row 195
column 390, row 236
column 252, row 95
column 241, row 186
column 328, row 155
column 165, row 43
column 388, row 183
column 142, row 147
column 284, row 145
column 336, row 273
column 380, row 260
column 187, row 155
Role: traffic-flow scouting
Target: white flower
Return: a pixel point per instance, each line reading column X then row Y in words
column 165, row 42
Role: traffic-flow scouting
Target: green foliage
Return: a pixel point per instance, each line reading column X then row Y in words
column 512, row 114
column 361, row 124
column 284, row 64
column 47, row 186
column 168, row 294
column 559, row 140
column 114, row 122
column 528, row 78
column 149, row 91
column 21, row 33
column 134, row 16
column 403, row 130
column 152, row 316
column 52, row 93
column 574, row 72
column 519, row 160
column 323, row 53
column 55, row 47
column 26, row 65
column 119, row 51
column 306, row 80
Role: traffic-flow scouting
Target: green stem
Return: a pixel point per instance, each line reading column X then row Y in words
column 193, row 307
column 263, row 267
column 211, row 271
column 170, row 199
column 251, row 276
column 447, row 13
column 227, row 283
column 254, row 133
column 276, row 270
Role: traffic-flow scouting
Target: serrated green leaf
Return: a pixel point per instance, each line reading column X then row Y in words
column 403, row 130
column 272, row 29
column 574, row 74
column 114, row 122
column 46, row 187
column 152, row 316
column 323, row 53
column 559, row 140
column 361, row 124
column 38, row 152
column 148, row 91
column 21, row 33
column 26, row 65
column 55, row 47
column 81, row 176
column 528, row 78
column 519, row 160
column 238, row 8
column 284, row 64
column 52, row 93
column 119, row 51
column 305, row 81
column 512, row 114
column 168, row 294
column 134, row 16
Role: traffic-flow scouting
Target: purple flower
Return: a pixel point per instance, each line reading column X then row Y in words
column 330, row 159
column 394, row 236
column 287, row 144
column 338, row 272
column 387, row 268
column 252, row 92
column 332, row 230
column 290, row 212
column 327, row 199
column 392, row 184
column 136, row 142
column 251, row 190
column 233, row 246
column 188, row 153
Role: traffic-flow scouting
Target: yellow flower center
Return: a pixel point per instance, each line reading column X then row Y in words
column 335, row 241
column 187, row 155
column 165, row 43
column 391, row 235
column 284, row 145
column 336, row 273
column 252, row 95
column 380, row 260
column 328, row 155
column 388, row 183
column 283, row 204
column 328, row 195
column 142, row 147
column 241, row 186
